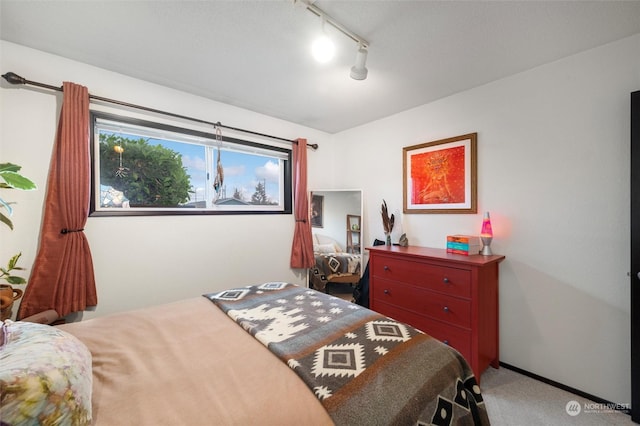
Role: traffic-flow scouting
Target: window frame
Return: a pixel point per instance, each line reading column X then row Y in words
column 95, row 210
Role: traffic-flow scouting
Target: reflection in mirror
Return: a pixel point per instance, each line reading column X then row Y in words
column 336, row 225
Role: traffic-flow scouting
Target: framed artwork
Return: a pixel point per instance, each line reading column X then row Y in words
column 441, row 176
column 317, row 211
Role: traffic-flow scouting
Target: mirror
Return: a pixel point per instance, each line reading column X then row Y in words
column 336, row 226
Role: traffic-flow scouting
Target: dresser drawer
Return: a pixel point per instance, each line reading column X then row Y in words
column 453, row 281
column 424, row 302
column 450, row 335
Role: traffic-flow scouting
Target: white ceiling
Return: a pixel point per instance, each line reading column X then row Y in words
column 255, row 54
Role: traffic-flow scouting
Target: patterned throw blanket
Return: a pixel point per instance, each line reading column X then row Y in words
column 364, row 367
column 329, row 266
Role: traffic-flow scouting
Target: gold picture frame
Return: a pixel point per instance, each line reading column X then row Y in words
column 441, row 176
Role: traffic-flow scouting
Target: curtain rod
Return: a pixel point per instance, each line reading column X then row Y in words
column 14, row 78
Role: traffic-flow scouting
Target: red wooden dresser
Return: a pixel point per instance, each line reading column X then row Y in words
column 451, row 297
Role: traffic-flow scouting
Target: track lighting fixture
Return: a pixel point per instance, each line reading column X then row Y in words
column 359, row 70
column 323, row 48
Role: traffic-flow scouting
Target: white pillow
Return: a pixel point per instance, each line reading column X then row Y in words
column 323, row 239
column 324, row 248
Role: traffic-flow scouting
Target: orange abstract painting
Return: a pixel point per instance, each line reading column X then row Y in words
column 438, row 177
column 441, row 176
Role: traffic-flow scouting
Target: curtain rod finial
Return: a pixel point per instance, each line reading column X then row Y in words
column 313, row 145
column 14, row 78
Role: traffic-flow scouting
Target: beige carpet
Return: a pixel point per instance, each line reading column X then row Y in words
column 516, row 400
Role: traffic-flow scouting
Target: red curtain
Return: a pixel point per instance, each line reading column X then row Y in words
column 62, row 277
column 302, row 247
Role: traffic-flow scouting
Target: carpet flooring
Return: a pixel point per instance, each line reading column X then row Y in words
column 513, row 399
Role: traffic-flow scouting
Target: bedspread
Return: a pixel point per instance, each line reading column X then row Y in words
column 365, row 368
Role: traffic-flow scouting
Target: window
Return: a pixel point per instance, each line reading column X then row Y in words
column 146, row 168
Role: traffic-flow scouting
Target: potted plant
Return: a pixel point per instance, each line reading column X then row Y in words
column 10, row 179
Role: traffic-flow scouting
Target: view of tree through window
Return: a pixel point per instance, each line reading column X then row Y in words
column 142, row 167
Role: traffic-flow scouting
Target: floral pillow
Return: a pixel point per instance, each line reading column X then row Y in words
column 45, row 376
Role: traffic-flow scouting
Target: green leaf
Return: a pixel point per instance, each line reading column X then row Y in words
column 13, row 261
column 11, row 265
column 9, row 167
column 17, row 181
column 12, row 279
column 4, row 219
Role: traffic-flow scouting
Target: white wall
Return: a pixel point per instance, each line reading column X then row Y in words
column 553, row 170
column 139, row 261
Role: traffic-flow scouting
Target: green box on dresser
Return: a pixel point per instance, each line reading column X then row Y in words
column 451, row 297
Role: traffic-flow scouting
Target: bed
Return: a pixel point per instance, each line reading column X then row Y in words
column 274, row 353
column 333, row 264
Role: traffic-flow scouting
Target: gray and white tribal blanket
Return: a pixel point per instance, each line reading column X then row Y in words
column 365, row 368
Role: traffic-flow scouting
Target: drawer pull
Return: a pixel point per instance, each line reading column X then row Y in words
column 446, row 342
column 446, row 309
column 386, row 291
column 385, row 267
column 446, row 280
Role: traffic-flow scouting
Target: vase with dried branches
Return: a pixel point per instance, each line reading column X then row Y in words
column 387, row 222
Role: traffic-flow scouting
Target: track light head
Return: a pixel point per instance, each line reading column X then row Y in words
column 323, row 49
column 359, row 71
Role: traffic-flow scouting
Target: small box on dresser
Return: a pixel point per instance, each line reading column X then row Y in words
column 451, row 297
column 467, row 245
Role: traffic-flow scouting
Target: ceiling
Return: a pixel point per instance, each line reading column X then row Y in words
column 255, row 54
